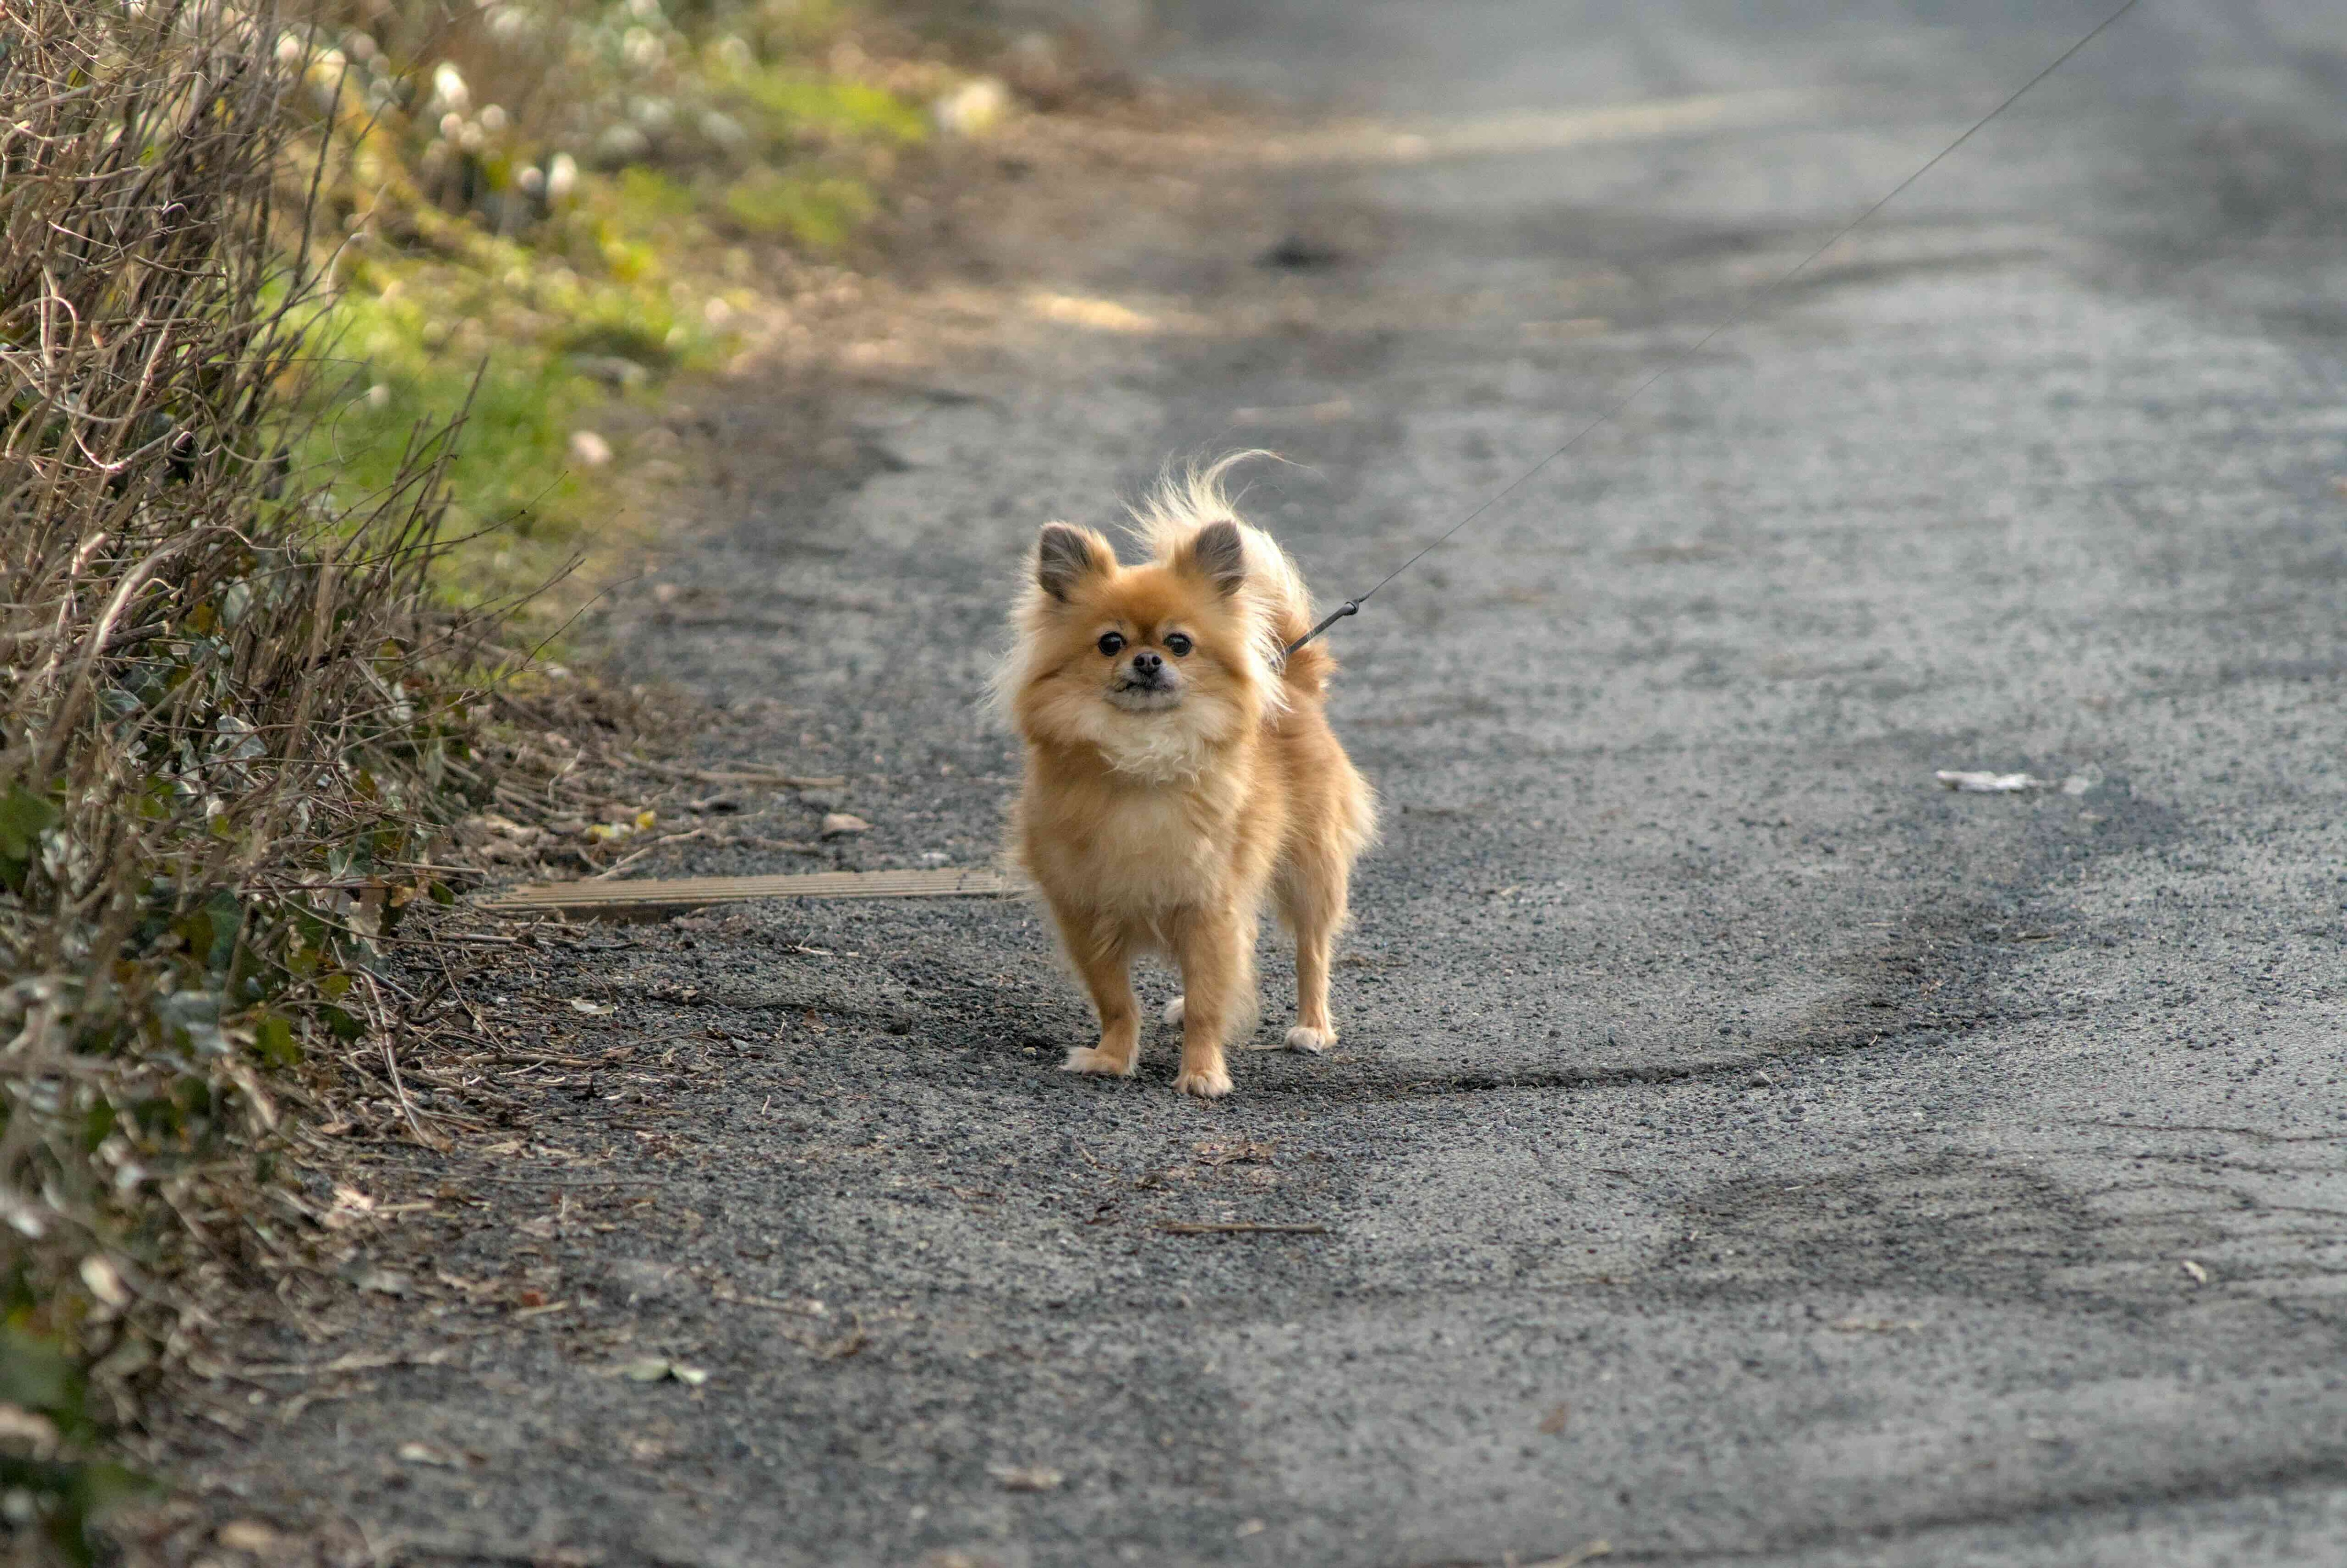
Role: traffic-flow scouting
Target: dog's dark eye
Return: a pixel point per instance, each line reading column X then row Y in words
column 1111, row 644
column 1177, row 645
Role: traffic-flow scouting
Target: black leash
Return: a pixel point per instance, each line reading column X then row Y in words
column 1353, row 605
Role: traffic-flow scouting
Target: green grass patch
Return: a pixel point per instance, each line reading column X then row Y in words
column 534, row 305
column 531, row 350
column 818, row 213
column 792, row 105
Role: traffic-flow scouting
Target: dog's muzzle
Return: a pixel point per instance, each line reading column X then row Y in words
column 1146, row 682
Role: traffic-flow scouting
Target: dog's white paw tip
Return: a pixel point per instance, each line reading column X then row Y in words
column 1085, row 1059
column 1315, row 1041
column 1173, row 1009
column 1205, row 1085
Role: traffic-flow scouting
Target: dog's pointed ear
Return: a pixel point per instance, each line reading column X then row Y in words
column 1065, row 555
column 1218, row 553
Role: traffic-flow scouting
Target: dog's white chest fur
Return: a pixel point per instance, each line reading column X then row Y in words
column 1153, row 748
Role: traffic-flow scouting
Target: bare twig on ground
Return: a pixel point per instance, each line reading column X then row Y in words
column 1237, row 1227
column 391, row 1065
column 735, row 776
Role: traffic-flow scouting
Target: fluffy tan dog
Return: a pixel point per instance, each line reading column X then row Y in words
column 1181, row 769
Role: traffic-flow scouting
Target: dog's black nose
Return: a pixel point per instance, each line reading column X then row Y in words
column 1146, row 665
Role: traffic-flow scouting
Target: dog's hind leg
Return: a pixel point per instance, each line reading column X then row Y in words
column 1103, row 957
column 1312, row 899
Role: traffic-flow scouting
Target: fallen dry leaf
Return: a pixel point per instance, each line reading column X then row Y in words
column 838, row 823
column 1971, row 783
column 381, row 1281
column 350, row 1205
column 1577, row 1556
column 1022, row 1478
column 1554, row 1422
column 248, row 1535
column 1100, row 315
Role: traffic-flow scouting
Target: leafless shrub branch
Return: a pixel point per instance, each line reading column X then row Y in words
column 224, row 718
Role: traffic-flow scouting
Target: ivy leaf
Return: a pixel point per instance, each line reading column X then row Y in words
column 273, row 1038
column 24, row 817
column 36, row 1376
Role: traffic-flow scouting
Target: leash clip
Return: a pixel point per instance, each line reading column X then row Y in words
column 1350, row 607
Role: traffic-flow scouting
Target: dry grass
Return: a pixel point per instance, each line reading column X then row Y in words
column 225, row 728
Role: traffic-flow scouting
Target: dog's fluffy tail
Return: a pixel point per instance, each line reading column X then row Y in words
column 1280, row 604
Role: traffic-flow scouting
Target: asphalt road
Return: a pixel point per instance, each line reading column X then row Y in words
column 1740, row 1147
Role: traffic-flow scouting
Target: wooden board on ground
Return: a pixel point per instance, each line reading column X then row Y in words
column 653, row 896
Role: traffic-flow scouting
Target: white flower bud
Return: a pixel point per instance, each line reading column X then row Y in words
column 449, row 88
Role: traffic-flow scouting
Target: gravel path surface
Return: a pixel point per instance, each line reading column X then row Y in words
column 1740, row 1146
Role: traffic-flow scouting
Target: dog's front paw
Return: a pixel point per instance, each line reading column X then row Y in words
column 1211, row 1084
column 1088, row 1059
column 1173, row 1009
column 1315, row 1041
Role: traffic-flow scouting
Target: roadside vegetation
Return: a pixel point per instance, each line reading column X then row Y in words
column 308, row 314
column 544, row 207
column 227, row 719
